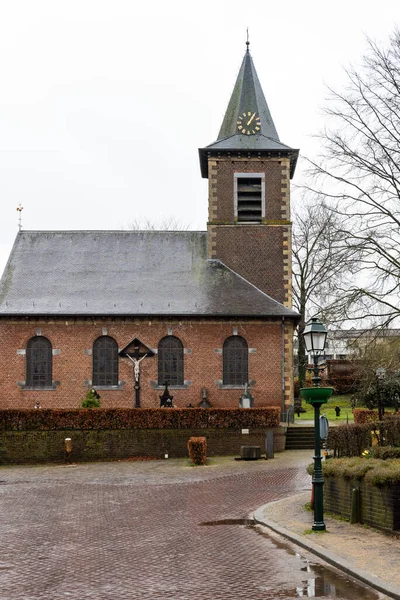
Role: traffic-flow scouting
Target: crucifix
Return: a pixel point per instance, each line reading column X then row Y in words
column 136, row 351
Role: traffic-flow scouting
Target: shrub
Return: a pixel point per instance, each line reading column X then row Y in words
column 91, row 400
column 385, row 452
column 353, row 439
column 375, row 471
column 138, row 418
column 197, row 447
column 349, row 440
column 364, row 415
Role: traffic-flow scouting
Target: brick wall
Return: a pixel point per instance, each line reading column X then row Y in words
column 259, row 253
column 46, row 446
column 380, row 506
column 72, row 341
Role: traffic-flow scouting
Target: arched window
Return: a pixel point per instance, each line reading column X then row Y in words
column 235, row 358
column 170, row 361
column 39, row 358
column 105, row 361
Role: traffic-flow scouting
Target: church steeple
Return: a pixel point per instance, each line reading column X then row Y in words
column 247, row 96
column 249, row 170
column 247, row 124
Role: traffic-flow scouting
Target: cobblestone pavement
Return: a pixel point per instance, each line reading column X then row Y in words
column 158, row 530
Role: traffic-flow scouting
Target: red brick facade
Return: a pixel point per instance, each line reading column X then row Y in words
column 72, row 341
column 259, row 253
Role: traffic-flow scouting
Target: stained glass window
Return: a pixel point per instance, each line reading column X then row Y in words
column 170, row 361
column 235, row 361
column 105, row 361
column 39, row 357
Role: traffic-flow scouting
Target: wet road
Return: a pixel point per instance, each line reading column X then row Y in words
column 157, row 530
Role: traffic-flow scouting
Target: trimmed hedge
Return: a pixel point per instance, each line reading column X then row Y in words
column 138, row 418
column 197, row 448
column 349, row 440
column 353, row 439
column 375, row 471
column 385, row 452
column 363, row 415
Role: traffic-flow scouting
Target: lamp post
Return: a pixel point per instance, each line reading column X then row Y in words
column 380, row 375
column 315, row 339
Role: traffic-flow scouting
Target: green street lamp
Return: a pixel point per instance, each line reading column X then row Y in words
column 315, row 339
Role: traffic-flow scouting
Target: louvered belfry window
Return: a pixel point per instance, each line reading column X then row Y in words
column 39, row 357
column 105, row 361
column 249, row 198
column 235, row 357
column 170, row 361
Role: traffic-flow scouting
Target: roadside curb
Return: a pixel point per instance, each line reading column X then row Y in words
column 330, row 557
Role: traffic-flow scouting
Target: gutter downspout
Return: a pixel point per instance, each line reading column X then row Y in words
column 283, row 366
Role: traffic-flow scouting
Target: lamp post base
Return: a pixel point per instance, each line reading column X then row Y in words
column 318, row 527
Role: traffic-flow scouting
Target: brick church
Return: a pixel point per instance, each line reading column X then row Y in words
column 125, row 312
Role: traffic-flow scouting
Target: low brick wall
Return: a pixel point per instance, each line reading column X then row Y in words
column 380, row 506
column 21, row 447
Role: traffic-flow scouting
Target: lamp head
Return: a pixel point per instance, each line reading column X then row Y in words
column 315, row 336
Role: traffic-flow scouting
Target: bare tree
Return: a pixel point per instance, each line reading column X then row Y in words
column 322, row 264
column 167, row 224
column 359, row 173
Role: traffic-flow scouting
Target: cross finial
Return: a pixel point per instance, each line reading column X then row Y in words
column 20, row 208
column 247, row 40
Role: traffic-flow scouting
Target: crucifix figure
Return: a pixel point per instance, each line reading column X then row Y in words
column 136, row 362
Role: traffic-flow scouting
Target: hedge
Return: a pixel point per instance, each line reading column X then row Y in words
column 363, row 415
column 375, row 471
column 197, row 448
column 349, row 440
column 138, row 418
column 353, row 439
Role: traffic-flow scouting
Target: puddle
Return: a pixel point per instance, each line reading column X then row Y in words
column 310, row 579
column 322, row 582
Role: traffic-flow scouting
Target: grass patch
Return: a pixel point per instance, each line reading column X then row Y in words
column 328, row 409
column 317, row 531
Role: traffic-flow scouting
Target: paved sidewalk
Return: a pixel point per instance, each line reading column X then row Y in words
column 363, row 552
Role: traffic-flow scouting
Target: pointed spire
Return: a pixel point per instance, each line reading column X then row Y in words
column 248, row 125
column 247, row 96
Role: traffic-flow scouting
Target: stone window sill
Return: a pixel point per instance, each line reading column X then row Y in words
column 37, row 388
column 120, row 386
column 230, row 387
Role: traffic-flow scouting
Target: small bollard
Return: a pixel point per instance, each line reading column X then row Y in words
column 355, row 516
column 68, row 450
column 269, row 444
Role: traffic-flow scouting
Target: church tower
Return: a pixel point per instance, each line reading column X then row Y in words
column 249, row 171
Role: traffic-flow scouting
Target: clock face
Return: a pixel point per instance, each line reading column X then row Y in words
column 249, row 123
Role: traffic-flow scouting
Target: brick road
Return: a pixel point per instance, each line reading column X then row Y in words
column 128, row 530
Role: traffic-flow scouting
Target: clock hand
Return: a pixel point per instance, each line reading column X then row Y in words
column 251, row 118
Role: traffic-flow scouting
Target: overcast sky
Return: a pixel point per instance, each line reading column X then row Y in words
column 104, row 103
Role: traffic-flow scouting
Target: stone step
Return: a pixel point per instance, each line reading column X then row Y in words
column 299, row 438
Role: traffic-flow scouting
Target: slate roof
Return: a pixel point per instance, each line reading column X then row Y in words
column 59, row 273
column 247, row 95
